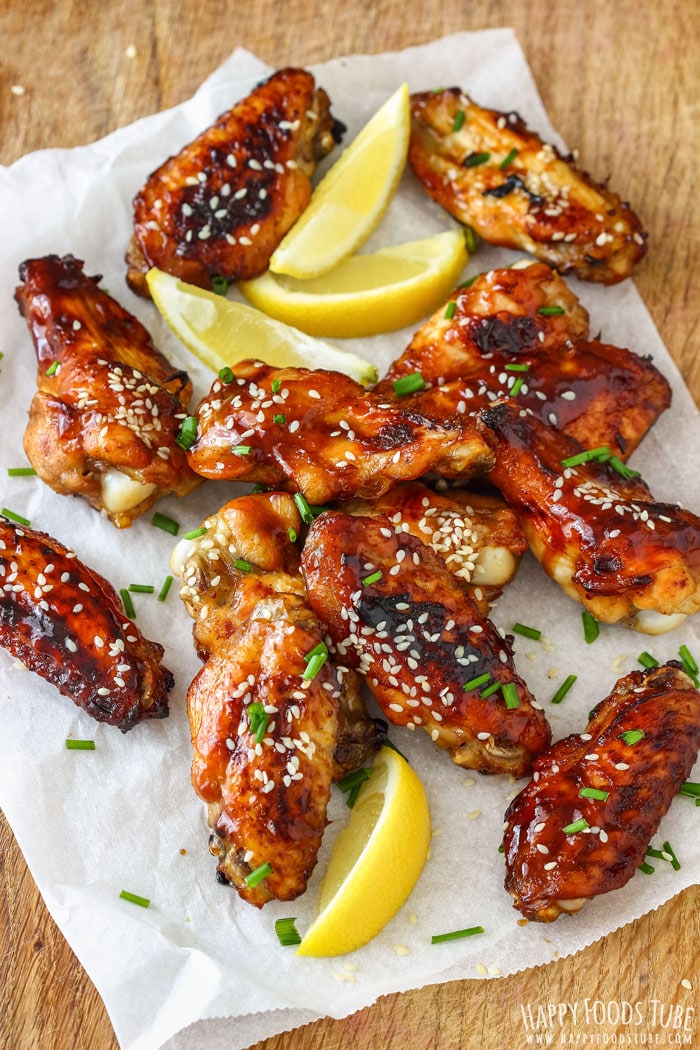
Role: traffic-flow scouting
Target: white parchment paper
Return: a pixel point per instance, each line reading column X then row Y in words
column 125, row 816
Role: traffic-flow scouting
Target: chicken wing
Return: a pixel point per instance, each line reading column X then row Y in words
column 223, row 204
column 595, row 530
column 66, row 623
column 582, row 825
column 104, row 422
column 492, row 173
column 396, row 614
column 521, row 331
column 320, row 433
column 270, row 728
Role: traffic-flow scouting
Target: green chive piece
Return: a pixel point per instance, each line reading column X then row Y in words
column 287, row 933
column 279, row 418
column 162, row 521
column 389, row 743
column 219, row 285
column 259, row 874
column 352, row 783
column 510, row 695
column 563, row 689
column 675, row 863
column 508, row 159
column 194, row 534
column 551, row 311
column 226, row 375
column 292, row 533
column 578, row 825
column 459, row 120
column 127, row 603
column 471, row 244
column 409, row 384
column 632, row 736
column 143, row 902
column 276, row 386
column 187, row 435
column 167, row 584
column 258, row 719
column 622, row 468
column 303, row 508
column 688, row 659
column 515, row 389
column 318, row 650
column 690, row 788
column 242, row 565
column 375, row 577
column 517, row 368
column 450, row 310
column 475, row 159
column 527, row 632
column 53, row 368
column 6, row 513
column 242, row 450
column 501, row 848
column 596, row 793
column 21, row 472
column 258, row 488
column 141, row 588
column 314, row 666
column 474, row 683
column 646, row 868
column 600, row 455
column 490, row 690
column 658, row 854
column 591, row 627
column 647, row 660
column 470, row 282
column 456, row 935
column 80, row 745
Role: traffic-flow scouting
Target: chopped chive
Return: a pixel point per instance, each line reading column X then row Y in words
column 187, row 435
column 80, row 745
column 276, row 386
column 475, row 159
column 303, row 508
column 167, row 584
column 127, row 603
column 578, row 825
column 563, row 689
column 501, row 848
column 143, row 902
column 517, row 367
column 352, row 784
column 314, row 666
column 688, row 659
column 141, row 588
column 470, row 243
column 242, row 450
column 21, row 472
column 388, row 743
column 510, row 695
column 375, row 577
column 318, row 650
column 450, row 310
column 455, row 935
column 490, row 690
column 675, row 863
column 515, row 389
column 279, row 418
column 596, row 793
column 194, row 534
column 646, row 868
column 632, row 736
column 242, row 565
column 286, row 931
column 600, row 455
column 258, row 488
column 690, row 788
column 622, row 468
column 162, row 521
column 219, row 285
column 551, row 311
column 527, row 632
column 508, row 159
column 6, row 513
column 53, row 368
column 409, row 384
column 226, row 375
column 258, row 719
column 352, row 796
column 647, row 660
column 591, row 627
column 459, row 120
column 259, row 874
column 292, row 533
column 474, row 683
column 657, row 854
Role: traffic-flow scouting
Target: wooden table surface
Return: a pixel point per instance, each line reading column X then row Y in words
column 621, row 81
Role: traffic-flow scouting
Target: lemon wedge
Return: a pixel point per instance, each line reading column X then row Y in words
column 352, row 197
column 220, row 332
column 366, row 294
column 376, row 860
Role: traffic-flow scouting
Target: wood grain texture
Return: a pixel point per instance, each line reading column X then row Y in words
column 620, row 82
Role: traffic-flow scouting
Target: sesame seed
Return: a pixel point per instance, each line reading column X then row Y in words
column 18, row 89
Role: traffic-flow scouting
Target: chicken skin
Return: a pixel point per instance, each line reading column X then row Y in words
column 222, row 205
column 105, row 419
column 273, row 721
column 492, row 173
column 66, row 623
column 594, row 527
column 582, row 825
column 522, row 332
column 322, row 434
column 429, row 658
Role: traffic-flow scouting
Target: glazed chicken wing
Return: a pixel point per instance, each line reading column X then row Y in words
column 320, row 433
column 430, row 659
column 223, row 204
column 582, row 825
column 595, row 530
column 492, row 173
column 272, row 725
column 66, row 623
column 104, row 422
column 521, row 331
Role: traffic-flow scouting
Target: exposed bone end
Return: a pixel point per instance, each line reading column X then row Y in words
column 121, row 493
column 649, row 621
column 494, row 567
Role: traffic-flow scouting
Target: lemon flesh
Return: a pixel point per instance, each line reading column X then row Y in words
column 352, row 197
column 376, row 860
column 220, row 332
column 366, row 294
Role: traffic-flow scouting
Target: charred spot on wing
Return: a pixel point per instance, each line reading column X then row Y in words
column 607, row 563
column 509, row 337
column 395, row 435
column 338, row 129
column 512, row 183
